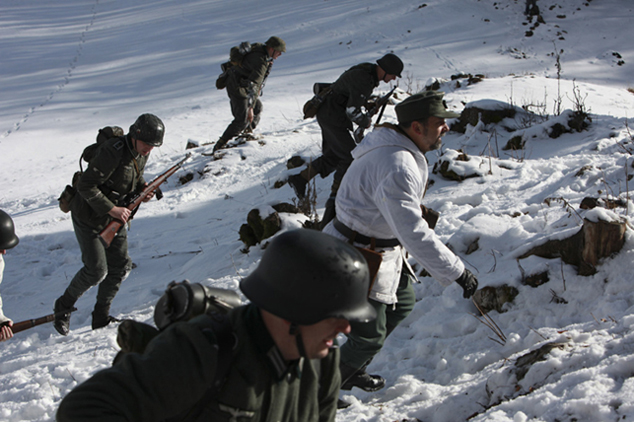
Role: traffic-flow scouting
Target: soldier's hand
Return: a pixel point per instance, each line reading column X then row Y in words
column 250, row 114
column 149, row 195
column 120, row 213
column 5, row 331
column 468, row 282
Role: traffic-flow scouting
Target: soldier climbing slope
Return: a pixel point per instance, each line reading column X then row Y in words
column 340, row 108
column 244, row 82
column 115, row 171
column 379, row 206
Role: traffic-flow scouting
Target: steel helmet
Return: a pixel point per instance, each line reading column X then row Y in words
column 149, row 129
column 391, row 64
column 306, row 276
column 8, row 239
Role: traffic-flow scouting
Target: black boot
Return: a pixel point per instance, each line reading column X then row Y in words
column 351, row 377
column 342, row 404
column 101, row 317
column 62, row 318
column 298, row 183
column 329, row 213
column 220, row 144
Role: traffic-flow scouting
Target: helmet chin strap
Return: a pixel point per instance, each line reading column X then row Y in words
column 299, row 341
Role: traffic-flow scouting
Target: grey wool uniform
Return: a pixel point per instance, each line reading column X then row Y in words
column 172, row 378
column 114, row 172
column 244, row 84
column 340, row 109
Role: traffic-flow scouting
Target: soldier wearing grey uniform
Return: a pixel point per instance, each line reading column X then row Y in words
column 244, row 87
column 283, row 366
column 115, row 171
column 340, row 109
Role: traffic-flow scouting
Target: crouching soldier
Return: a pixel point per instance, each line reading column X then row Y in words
column 283, row 365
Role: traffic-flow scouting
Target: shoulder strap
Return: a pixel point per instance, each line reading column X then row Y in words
column 219, row 332
column 226, row 340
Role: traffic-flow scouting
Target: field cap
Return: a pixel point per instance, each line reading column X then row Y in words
column 422, row 105
column 277, row 44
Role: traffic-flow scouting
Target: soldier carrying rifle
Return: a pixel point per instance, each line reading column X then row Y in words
column 115, row 171
column 342, row 107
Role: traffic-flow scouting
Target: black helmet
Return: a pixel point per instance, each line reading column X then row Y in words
column 8, row 239
column 306, row 276
column 391, row 64
column 149, row 129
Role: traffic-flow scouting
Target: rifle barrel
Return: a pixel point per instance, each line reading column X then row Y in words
column 30, row 323
column 109, row 232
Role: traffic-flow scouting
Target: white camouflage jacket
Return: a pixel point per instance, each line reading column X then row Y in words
column 380, row 196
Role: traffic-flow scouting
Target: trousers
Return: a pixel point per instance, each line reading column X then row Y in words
column 366, row 339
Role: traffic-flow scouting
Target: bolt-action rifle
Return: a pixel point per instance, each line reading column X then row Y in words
column 30, row 323
column 379, row 105
column 134, row 200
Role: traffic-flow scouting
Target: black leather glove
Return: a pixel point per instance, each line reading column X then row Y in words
column 469, row 283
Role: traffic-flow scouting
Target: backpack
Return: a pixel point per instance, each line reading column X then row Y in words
column 87, row 155
column 236, row 55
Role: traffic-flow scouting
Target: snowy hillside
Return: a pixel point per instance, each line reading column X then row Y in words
column 71, row 67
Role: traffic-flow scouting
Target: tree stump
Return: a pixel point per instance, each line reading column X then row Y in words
column 596, row 239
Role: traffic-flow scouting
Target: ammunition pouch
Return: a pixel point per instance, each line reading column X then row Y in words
column 69, row 193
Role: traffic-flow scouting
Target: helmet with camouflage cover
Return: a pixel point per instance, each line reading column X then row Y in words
column 8, row 239
column 306, row 276
column 149, row 129
column 276, row 43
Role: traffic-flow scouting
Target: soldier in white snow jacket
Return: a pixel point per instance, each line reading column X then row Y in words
column 379, row 202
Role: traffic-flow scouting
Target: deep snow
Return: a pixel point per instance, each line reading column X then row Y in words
column 71, row 67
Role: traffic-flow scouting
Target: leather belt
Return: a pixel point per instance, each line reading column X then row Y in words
column 354, row 236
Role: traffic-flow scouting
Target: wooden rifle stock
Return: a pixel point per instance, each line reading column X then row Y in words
column 110, row 231
column 380, row 104
column 30, row 323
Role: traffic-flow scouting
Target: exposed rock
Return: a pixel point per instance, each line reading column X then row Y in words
column 443, row 165
column 258, row 229
column 525, row 362
column 515, row 143
column 472, row 114
column 493, row 298
column 589, row 203
column 535, row 280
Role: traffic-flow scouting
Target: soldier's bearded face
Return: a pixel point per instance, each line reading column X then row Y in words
column 433, row 130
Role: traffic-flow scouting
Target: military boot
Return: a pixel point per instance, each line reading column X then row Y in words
column 63, row 306
column 220, row 144
column 101, row 317
column 351, row 377
column 329, row 213
column 298, row 183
